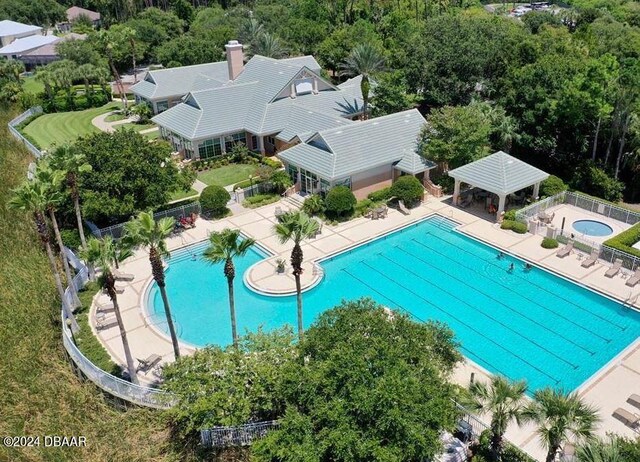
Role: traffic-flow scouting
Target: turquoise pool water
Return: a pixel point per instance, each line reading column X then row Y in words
column 522, row 323
column 592, row 228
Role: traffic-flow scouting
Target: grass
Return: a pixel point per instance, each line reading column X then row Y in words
column 227, row 174
column 115, row 117
column 40, row 393
column 65, row 127
column 260, row 200
column 152, row 135
column 31, row 85
column 183, row 195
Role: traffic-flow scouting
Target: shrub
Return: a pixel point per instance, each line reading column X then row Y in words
column 313, row 205
column 446, row 182
column 515, row 226
column 364, row 206
column 259, row 200
column 625, row 240
column 552, row 186
column 510, row 215
column 340, row 201
column 271, row 162
column 71, row 238
column 213, row 200
column 408, row 189
column 380, row 195
column 280, row 180
column 549, row 243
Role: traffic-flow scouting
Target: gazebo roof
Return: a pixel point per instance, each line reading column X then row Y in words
column 499, row 173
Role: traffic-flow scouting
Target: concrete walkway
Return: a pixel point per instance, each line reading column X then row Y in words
column 100, row 122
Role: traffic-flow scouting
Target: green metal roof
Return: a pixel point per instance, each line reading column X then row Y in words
column 360, row 146
column 499, row 173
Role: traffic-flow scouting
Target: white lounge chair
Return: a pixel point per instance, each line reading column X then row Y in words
column 593, row 258
column 104, row 322
column 633, row 280
column 146, row 364
column 120, row 276
column 615, row 269
column 629, row 419
column 566, row 250
column 104, row 307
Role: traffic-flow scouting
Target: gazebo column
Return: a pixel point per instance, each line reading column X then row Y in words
column 501, row 204
column 536, row 190
column 456, row 191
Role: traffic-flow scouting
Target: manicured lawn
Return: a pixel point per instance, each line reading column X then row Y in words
column 227, row 174
column 65, row 127
column 183, row 195
column 115, row 117
column 152, row 135
column 31, row 85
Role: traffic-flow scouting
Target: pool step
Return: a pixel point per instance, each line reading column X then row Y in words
column 443, row 223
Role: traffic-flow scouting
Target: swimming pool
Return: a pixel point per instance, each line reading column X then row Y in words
column 592, row 228
column 523, row 324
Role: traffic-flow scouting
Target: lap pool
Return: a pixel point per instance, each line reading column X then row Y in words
column 522, row 323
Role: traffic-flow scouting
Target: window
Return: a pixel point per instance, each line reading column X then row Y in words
column 270, row 139
column 162, row 106
column 304, row 86
column 210, row 148
column 344, row 182
column 292, row 170
column 230, row 140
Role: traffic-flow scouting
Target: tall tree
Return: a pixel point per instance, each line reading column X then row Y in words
column 51, row 181
column 107, row 42
column 295, row 227
column 560, row 417
column 504, row 401
column 268, row 45
column 146, row 232
column 72, row 163
column 104, row 253
column 364, row 60
column 31, row 197
column 224, row 246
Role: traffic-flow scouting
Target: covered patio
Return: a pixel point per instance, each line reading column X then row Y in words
column 499, row 174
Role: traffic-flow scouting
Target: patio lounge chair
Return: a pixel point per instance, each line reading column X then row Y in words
column 566, row 250
column 104, row 322
column 593, row 258
column 104, row 307
column 146, row 364
column 615, row 269
column 633, row 280
column 629, row 419
column 634, row 400
column 120, row 276
column 119, row 290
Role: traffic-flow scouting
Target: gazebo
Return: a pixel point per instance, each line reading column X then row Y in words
column 500, row 174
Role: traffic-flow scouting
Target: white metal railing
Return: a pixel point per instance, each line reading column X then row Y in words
column 127, row 391
column 531, row 211
column 242, row 435
column 16, row 133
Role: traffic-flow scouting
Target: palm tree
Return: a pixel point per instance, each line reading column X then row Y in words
column 73, row 163
column 560, row 417
column 44, row 76
column 296, row 226
column 106, row 41
column 146, row 232
column 87, row 72
column 364, row 60
column 249, row 31
column 504, row 401
column 104, row 253
column 51, row 180
column 268, row 45
column 600, row 451
column 31, row 197
column 224, row 247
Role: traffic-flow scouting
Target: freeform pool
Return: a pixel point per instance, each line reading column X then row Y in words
column 592, row 228
column 523, row 324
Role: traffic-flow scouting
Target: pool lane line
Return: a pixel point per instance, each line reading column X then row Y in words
column 473, row 308
column 623, row 328
column 498, row 302
column 483, row 275
column 464, row 324
column 400, row 306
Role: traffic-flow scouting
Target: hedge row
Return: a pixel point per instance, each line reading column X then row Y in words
column 625, row 240
column 514, row 226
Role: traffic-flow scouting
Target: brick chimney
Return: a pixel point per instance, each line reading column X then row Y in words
column 235, row 58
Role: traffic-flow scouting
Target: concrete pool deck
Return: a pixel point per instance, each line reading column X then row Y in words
column 607, row 389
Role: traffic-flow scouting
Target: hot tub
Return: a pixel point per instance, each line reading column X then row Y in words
column 592, row 228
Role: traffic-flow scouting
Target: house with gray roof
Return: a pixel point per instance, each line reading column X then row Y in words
column 11, row 30
column 267, row 104
column 365, row 156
